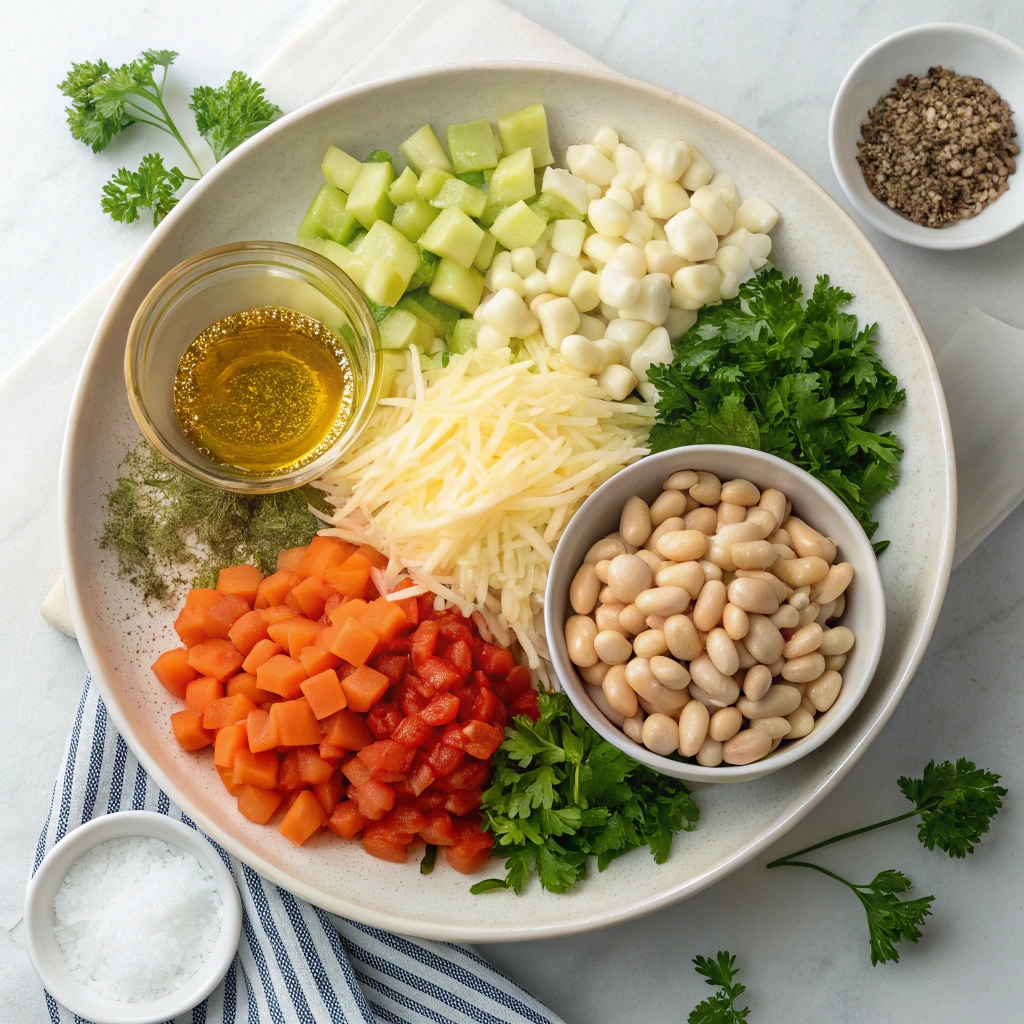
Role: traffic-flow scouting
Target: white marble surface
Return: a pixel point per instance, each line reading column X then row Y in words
column 801, row 940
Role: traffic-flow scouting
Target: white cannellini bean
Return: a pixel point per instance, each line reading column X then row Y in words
column 667, row 505
column 801, row 723
column 722, row 652
column 786, row 617
column 600, row 701
column 764, row 519
column 580, row 631
column 646, row 684
column 834, row 583
column 584, row 589
column 779, row 701
column 682, row 480
column 683, row 545
column 663, row 600
column 628, row 575
column 632, row 620
column 708, row 488
column 621, row 696
column 688, row 575
column 650, row 643
column 800, row 598
column 756, row 682
column 612, row 647
column 669, row 672
column 720, row 687
column 825, row 613
column 710, row 754
column 660, row 734
column 606, row 548
column 703, row 519
column 835, row 662
column 707, row 612
column 735, row 621
column 635, row 521
column 633, row 727
column 682, row 637
column 693, row 728
column 807, row 541
column 606, row 616
column 763, row 640
column 804, row 641
column 823, row 691
column 774, row 728
column 753, row 596
column 754, row 554
column 838, row 640
column 746, row 747
column 725, row 723
column 799, row 572
column 729, row 514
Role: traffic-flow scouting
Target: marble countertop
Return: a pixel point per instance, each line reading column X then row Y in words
column 800, row 938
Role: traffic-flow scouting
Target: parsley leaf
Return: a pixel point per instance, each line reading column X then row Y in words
column 891, row 920
column 151, row 187
column 719, row 1008
column 86, row 122
column 956, row 803
column 227, row 116
column 560, row 793
column 798, row 379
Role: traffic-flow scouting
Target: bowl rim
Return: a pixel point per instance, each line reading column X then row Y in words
column 61, row 856
column 560, row 575
column 905, row 230
column 788, row 816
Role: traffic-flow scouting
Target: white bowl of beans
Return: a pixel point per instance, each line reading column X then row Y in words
column 715, row 612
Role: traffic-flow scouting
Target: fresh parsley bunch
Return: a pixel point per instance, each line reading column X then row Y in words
column 105, row 101
column 560, row 793
column 798, row 379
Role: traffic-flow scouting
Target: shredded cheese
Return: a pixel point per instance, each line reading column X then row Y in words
column 467, row 476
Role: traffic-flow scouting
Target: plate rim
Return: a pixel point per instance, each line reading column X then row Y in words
column 790, row 815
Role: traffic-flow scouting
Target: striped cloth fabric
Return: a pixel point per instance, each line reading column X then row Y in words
column 295, row 962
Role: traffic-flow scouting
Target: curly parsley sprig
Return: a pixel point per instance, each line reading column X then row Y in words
column 105, row 101
column 956, row 804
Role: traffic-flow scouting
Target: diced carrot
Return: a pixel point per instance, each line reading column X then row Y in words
column 347, row 610
column 349, row 730
column 312, row 594
column 202, row 692
column 227, row 776
column 331, row 603
column 288, row 559
column 346, row 821
column 313, row 769
column 242, row 580
column 275, row 588
column 255, row 769
column 174, row 671
column 322, row 554
column 189, row 731
column 373, row 556
column 261, row 731
column 258, row 805
column 297, row 726
column 314, row 660
column 281, row 675
column 385, row 618
column 304, row 817
column 324, row 693
column 291, row 601
column 350, row 582
column 260, row 655
column 288, row 773
column 410, row 605
column 220, row 617
column 295, row 633
column 217, row 658
column 328, row 793
column 277, row 613
column 229, row 741
column 354, row 644
column 227, row 711
column 364, row 687
column 329, row 752
column 245, row 682
column 189, row 623
column 247, row 631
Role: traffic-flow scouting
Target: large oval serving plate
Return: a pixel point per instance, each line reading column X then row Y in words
column 261, row 191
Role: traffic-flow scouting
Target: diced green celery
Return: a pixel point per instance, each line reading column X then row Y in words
column 357, row 238
column 379, row 156
column 454, row 236
column 465, row 197
column 393, row 363
column 383, row 283
column 475, row 178
column 464, row 335
column 349, row 262
column 314, row 244
column 431, row 182
column 425, row 272
column 457, row 286
column 471, row 145
column 490, row 214
column 513, row 178
column 327, row 217
column 556, row 208
column 527, row 127
column 413, row 218
column 378, row 312
column 384, row 242
column 518, row 226
column 438, row 316
column 423, row 150
column 340, row 169
column 485, row 253
column 403, row 188
column 368, row 199
column 400, row 329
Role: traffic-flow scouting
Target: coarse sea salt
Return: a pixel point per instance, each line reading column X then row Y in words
column 136, row 918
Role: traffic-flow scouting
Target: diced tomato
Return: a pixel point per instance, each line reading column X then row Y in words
column 438, row 831
column 496, row 661
column 423, row 642
column 412, row 731
column 383, row 719
column 519, row 680
column 346, row 821
column 444, row 759
column 408, row 698
column 481, row 739
column 469, row 776
column 441, row 710
column 454, row 627
column 421, row 777
column 460, row 657
column 488, row 708
column 374, row 799
column 409, row 606
column 391, row 665
column 453, row 737
column 525, row 703
column 425, row 606
column 385, row 754
column 438, row 674
column 357, row 772
column 463, row 801
column 328, row 793
column 470, row 853
column 396, row 645
column 380, row 846
column 405, row 819
column 329, row 752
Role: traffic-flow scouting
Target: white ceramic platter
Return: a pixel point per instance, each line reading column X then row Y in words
column 261, row 191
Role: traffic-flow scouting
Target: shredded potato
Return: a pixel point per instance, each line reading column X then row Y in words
column 468, row 475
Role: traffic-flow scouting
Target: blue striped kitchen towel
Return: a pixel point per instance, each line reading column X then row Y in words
column 295, row 962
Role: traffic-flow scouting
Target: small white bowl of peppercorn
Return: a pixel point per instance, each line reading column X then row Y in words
column 923, row 136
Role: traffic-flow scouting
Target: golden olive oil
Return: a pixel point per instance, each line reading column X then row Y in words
column 266, row 390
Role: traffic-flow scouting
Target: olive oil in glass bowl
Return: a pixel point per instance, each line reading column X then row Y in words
column 253, row 366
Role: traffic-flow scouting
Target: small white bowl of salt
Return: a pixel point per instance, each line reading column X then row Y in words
column 132, row 918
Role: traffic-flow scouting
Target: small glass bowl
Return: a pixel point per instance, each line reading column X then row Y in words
column 226, row 280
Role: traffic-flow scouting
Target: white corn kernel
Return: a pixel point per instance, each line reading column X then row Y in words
column 504, row 312
column 630, row 334
column 524, row 263
column 590, row 327
column 730, row 286
column 664, row 199
column 490, row 340
column 617, row 288
column 609, row 351
column 631, row 173
column 724, row 183
column 529, row 326
column 536, row 284
column 593, row 191
column 601, row 249
column 657, row 348
column 502, row 261
column 731, row 259
column 568, row 237
column 667, row 159
column 756, row 247
column 585, row 291
column 698, row 172
column 660, row 258
column 690, row 236
column 756, row 215
column 557, row 181
column 606, row 140
column 581, row 353
column 622, row 197
column 652, row 303
column 617, row 380
column 711, row 205
column 641, row 228
column 590, row 164
column 498, row 279
column 541, row 245
column 608, row 217
column 558, row 319
column 648, row 392
column 699, row 284
column 537, row 301
column 679, row 321
column 562, row 271
column 629, row 259
column 608, row 311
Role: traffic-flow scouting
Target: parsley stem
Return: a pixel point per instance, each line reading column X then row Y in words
column 816, row 867
column 788, row 859
column 164, row 121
